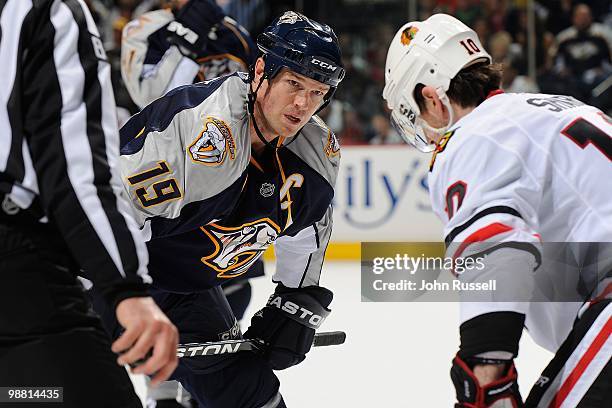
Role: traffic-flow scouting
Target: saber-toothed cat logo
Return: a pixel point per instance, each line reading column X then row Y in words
column 213, row 144
column 237, row 248
column 332, row 147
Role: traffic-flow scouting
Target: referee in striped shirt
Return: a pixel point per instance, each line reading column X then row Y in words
column 62, row 214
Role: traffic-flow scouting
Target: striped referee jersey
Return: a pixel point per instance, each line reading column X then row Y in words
column 59, row 140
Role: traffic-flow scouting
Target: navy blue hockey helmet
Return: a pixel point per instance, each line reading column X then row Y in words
column 304, row 46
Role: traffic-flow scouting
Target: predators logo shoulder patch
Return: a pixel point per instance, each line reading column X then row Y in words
column 213, row 144
column 332, row 147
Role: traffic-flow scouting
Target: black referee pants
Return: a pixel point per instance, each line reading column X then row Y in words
column 48, row 334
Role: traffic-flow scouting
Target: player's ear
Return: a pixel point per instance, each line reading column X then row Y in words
column 433, row 103
column 259, row 69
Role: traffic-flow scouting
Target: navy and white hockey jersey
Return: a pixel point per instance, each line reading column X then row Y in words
column 151, row 66
column 211, row 209
column 534, row 169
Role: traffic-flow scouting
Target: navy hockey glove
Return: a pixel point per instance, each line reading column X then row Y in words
column 288, row 322
column 502, row 393
column 192, row 26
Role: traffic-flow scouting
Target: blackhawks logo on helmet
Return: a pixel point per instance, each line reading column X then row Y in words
column 408, row 35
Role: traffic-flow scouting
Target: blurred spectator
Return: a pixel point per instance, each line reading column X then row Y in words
column 584, row 48
column 584, row 55
column 500, row 46
column 575, row 63
column 352, row 132
column 559, row 14
column 468, row 11
column 333, row 115
column 481, row 26
column 383, row 132
column 246, row 12
column 514, row 80
column 496, row 11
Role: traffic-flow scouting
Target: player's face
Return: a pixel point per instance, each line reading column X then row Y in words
column 289, row 101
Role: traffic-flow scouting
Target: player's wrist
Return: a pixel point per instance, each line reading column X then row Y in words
column 487, row 373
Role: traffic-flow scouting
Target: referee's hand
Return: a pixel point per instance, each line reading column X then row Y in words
column 147, row 330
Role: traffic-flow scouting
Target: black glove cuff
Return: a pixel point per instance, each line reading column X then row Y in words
column 499, row 331
column 307, row 306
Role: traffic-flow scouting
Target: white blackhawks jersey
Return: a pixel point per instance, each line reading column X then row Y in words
column 532, row 169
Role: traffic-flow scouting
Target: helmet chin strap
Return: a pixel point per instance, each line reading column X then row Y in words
column 251, row 99
column 451, row 116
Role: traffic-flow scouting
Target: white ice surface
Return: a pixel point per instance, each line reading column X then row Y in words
column 396, row 355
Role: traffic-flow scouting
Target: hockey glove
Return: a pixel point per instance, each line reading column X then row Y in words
column 287, row 323
column 503, row 393
column 192, row 26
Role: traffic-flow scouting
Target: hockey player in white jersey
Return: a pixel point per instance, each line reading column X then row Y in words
column 190, row 41
column 509, row 174
column 216, row 173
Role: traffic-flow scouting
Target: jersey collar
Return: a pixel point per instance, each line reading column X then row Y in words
column 493, row 93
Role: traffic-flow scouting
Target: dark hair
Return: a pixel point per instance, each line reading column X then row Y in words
column 470, row 87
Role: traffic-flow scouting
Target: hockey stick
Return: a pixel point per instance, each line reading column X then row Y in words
column 215, row 348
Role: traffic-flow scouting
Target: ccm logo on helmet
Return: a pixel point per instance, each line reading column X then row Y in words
column 323, row 64
column 295, row 310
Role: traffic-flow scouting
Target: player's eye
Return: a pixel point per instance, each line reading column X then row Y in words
column 318, row 93
column 294, row 84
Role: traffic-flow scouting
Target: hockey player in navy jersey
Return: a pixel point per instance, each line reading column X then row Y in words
column 157, row 57
column 184, row 43
column 511, row 174
column 188, row 42
column 217, row 172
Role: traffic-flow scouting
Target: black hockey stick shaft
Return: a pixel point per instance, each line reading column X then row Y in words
column 215, row 348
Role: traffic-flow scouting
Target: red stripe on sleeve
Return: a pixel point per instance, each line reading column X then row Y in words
column 482, row 234
column 585, row 360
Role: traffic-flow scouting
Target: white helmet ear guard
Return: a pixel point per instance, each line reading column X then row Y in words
column 431, row 53
column 410, row 127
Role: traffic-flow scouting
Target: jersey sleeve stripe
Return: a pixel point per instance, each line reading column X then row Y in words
column 103, row 141
column 86, row 131
column 481, row 235
column 607, row 292
column 501, row 209
column 577, row 375
column 521, row 246
column 12, row 15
